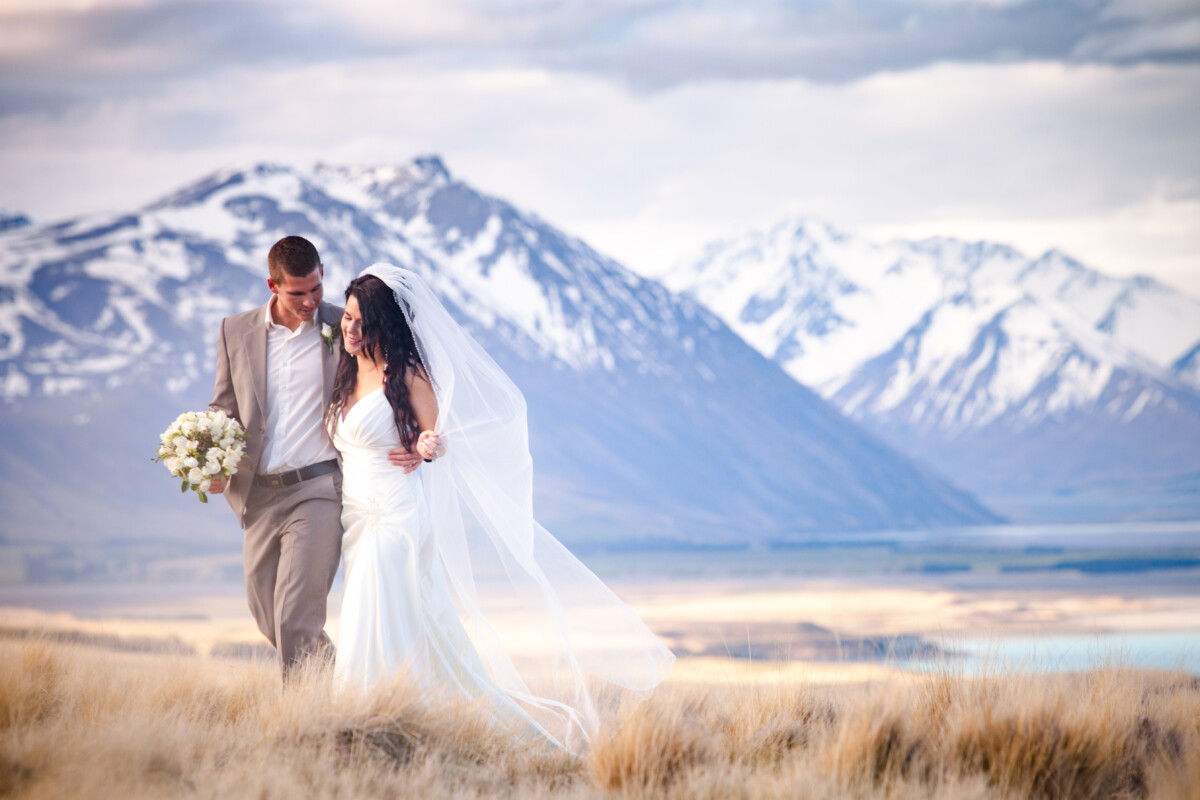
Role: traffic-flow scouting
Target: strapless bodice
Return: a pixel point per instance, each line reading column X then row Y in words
column 363, row 438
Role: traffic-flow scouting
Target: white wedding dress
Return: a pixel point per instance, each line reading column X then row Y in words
column 397, row 612
column 451, row 582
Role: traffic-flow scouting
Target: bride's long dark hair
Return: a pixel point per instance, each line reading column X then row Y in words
column 386, row 336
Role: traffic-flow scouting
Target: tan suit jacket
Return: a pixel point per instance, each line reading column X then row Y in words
column 240, row 389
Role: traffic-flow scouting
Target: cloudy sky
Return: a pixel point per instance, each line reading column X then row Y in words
column 644, row 126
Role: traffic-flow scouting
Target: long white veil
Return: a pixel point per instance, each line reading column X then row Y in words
column 552, row 635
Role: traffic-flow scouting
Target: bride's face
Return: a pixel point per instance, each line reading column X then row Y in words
column 352, row 327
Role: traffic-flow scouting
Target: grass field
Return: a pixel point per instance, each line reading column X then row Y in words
column 81, row 720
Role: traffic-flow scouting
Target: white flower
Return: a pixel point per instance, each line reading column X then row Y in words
column 327, row 334
column 199, row 445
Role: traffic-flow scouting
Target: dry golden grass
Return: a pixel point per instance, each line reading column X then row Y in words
column 77, row 721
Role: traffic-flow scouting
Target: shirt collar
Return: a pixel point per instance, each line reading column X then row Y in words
column 272, row 324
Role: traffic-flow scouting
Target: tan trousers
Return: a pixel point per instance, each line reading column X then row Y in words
column 291, row 551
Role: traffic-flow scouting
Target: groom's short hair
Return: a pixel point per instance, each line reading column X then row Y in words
column 292, row 255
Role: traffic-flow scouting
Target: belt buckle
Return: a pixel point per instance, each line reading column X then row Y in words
column 290, row 478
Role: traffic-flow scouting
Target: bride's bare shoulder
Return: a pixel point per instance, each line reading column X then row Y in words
column 415, row 373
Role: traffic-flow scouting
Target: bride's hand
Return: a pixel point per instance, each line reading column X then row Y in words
column 428, row 445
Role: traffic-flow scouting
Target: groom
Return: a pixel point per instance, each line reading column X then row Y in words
column 275, row 372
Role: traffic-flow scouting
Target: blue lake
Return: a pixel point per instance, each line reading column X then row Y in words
column 1018, row 565
column 1070, row 652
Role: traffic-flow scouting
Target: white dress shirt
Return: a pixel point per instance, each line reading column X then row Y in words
column 295, row 399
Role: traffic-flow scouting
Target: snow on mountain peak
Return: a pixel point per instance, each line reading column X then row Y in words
column 11, row 220
column 104, row 284
column 123, row 310
column 1052, row 390
column 954, row 333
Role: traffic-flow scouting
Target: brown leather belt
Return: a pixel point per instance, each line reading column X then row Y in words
column 294, row 476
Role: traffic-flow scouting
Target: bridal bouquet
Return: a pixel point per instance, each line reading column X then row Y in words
column 200, row 445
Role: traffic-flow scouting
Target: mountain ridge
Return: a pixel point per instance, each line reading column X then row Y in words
column 965, row 354
column 634, row 393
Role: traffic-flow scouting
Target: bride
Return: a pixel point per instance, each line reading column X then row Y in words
column 448, row 578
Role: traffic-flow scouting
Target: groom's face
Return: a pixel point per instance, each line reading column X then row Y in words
column 297, row 298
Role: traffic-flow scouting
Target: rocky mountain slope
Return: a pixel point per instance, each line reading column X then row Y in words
column 650, row 419
column 1050, row 389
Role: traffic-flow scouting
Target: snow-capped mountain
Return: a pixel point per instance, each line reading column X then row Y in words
column 1024, row 378
column 649, row 417
column 99, row 299
column 11, row 220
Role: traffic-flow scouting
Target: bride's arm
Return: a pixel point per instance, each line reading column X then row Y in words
column 425, row 409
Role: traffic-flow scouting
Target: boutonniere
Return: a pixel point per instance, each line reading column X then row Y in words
column 328, row 332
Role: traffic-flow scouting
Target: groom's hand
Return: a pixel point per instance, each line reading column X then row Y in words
column 403, row 457
column 219, row 482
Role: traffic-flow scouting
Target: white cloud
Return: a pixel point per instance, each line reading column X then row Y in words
column 18, row 8
column 1156, row 236
column 1172, row 37
column 102, row 48
column 494, row 22
column 1147, row 9
column 1098, row 160
column 984, row 3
